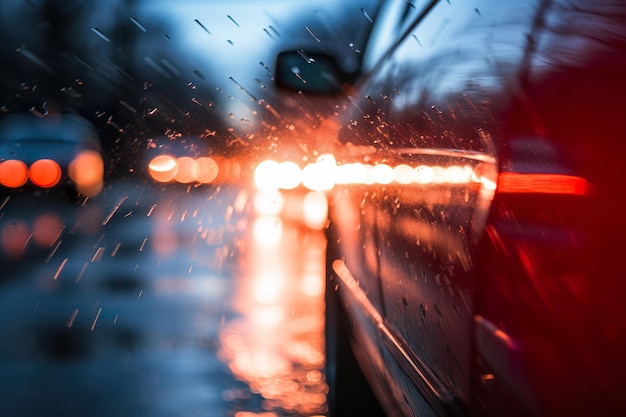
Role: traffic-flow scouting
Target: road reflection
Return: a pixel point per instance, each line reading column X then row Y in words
column 275, row 342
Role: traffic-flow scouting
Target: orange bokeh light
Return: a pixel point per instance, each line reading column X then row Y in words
column 163, row 168
column 87, row 172
column 45, row 173
column 188, row 170
column 208, row 170
column 13, row 173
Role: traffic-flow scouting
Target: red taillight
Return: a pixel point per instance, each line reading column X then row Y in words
column 513, row 182
column 45, row 173
column 13, row 173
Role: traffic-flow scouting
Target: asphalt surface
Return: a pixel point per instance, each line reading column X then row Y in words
column 155, row 302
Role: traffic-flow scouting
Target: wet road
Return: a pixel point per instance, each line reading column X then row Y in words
column 145, row 303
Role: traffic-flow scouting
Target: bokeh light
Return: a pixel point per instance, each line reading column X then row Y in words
column 13, row 173
column 45, row 173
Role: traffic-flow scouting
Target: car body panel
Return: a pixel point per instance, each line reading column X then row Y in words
column 503, row 285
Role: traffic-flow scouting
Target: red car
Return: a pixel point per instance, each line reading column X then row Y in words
column 475, row 247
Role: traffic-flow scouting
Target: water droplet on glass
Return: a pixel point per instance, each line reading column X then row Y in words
column 308, row 59
column 308, row 29
column 268, row 33
column 202, row 26
column 367, row 16
column 139, row 25
column 233, row 20
column 99, row 33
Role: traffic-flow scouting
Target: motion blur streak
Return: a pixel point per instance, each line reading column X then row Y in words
column 324, row 174
column 510, row 182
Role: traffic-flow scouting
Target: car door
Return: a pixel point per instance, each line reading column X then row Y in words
column 429, row 112
column 359, row 205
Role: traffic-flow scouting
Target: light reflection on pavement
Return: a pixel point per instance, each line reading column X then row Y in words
column 163, row 307
column 276, row 345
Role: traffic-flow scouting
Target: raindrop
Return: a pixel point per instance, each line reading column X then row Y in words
column 115, row 249
column 274, row 30
column 354, row 48
column 191, row 85
column 97, row 257
column 139, row 25
column 265, row 66
column 367, row 16
column 478, row 12
column 308, row 29
column 70, row 323
column 199, row 74
column 418, row 41
column 4, row 202
column 233, row 20
column 54, row 251
column 202, row 26
column 58, row 272
column 71, row 92
column 268, row 33
column 93, row 326
column 82, row 271
column 307, row 58
column 115, row 209
column 243, row 88
column 99, row 33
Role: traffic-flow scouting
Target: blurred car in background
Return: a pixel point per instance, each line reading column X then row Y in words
column 55, row 152
column 475, row 247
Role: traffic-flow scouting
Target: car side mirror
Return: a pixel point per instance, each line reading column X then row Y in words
column 309, row 73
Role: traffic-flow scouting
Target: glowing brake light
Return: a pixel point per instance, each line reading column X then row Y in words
column 512, row 182
column 13, row 173
column 45, row 173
